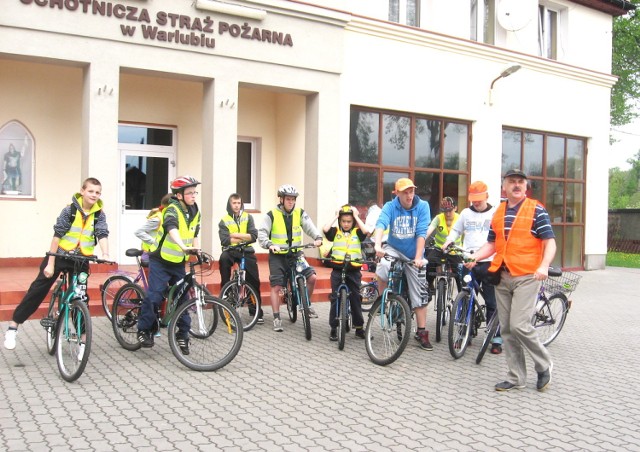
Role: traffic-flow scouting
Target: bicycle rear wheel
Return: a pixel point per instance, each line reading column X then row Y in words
column 491, row 330
column 52, row 319
column 244, row 299
column 441, row 291
column 550, row 317
column 304, row 304
column 369, row 294
column 388, row 329
column 109, row 289
column 460, row 325
column 342, row 318
column 208, row 350
column 73, row 342
column 125, row 312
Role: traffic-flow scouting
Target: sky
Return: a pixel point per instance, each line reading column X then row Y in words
column 627, row 146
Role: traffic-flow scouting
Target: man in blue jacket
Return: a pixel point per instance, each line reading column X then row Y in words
column 407, row 218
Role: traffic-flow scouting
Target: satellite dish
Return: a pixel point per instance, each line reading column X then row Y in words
column 514, row 15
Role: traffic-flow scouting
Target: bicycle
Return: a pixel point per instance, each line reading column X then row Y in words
column 385, row 339
column 113, row 283
column 68, row 321
column 241, row 295
column 342, row 294
column 294, row 291
column 551, row 310
column 207, row 350
column 445, row 277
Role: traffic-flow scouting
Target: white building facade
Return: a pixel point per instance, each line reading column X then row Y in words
column 339, row 98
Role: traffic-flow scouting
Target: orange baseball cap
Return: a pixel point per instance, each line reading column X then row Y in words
column 404, row 183
column 478, row 191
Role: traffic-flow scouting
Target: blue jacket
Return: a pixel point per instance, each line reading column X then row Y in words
column 405, row 226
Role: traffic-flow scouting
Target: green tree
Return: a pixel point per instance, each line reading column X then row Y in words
column 623, row 186
column 625, row 63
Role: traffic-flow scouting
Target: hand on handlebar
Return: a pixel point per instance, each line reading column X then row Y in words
column 274, row 248
column 191, row 250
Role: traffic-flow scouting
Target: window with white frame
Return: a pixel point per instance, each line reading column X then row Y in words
column 406, row 12
column 247, row 171
column 548, row 31
column 483, row 20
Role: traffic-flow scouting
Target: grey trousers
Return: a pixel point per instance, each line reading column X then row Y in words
column 516, row 300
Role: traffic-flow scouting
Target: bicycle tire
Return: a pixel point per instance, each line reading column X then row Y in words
column 207, row 352
column 243, row 297
column 491, row 330
column 199, row 291
column 71, row 327
column 125, row 313
column 304, row 302
column 109, row 289
column 52, row 315
column 291, row 304
column 460, row 325
column 550, row 316
column 369, row 294
column 342, row 319
column 441, row 292
column 384, row 339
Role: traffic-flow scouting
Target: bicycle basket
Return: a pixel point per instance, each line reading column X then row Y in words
column 566, row 283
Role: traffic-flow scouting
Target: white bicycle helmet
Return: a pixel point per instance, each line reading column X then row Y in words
column 287, row 190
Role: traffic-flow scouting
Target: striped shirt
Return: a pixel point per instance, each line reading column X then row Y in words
column 540, row 228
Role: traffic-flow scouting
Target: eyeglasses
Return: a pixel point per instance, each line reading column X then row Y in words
column 190, row 193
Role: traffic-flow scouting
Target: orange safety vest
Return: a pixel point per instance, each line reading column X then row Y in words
column 521, row 252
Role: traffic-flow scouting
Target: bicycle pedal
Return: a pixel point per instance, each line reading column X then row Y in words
column 48, row 322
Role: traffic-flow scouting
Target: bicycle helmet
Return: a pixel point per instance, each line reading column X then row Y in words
column 179, row 184
column 447, row 204
column 345, row 210
column 287, row 190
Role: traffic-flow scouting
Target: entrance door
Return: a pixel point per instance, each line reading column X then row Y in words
column 146, row 171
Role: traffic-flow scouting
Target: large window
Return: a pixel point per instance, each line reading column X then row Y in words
column 405, row 12
column 555, row 166
column 385, row 146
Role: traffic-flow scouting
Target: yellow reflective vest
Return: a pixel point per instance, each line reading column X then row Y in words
column 146, row 246
column 344, row 243
column 81, row 233
column 237, row 227
column 279, row 230
column 170, row 251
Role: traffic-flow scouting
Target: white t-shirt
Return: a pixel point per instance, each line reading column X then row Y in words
column 474, row 227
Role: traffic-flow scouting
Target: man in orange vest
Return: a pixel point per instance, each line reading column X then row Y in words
column 524, row 243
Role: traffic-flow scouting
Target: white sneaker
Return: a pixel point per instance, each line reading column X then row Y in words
column 10, row 339
column 312, row 313
column 80, row 352
column 277, row 325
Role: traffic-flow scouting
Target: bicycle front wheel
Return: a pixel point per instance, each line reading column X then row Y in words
column 304, row 304
column 388, row 329
column 207, row 350
column 109, row 289
column 491, row 330
column 550, row 317
column 460, row 325
column 125, row 312
column 441, row 291
column 342, row 319
column 369, row 294
column 73, row 343
column 244, row 299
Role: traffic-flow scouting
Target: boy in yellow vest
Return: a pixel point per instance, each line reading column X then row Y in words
column 78, row 227
column 176, row 238
column 235, row 227
column 442, row 225
column 347, row 238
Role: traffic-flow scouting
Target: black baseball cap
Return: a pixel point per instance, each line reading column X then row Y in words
column 515, row 172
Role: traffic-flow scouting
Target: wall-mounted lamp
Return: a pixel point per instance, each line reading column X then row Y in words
column 513, row 67
column 230, row 9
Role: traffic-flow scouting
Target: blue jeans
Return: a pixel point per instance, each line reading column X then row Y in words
column 161, row 275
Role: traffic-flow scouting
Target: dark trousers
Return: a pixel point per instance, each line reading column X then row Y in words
column 353, row 280
column 252, row 276
column 40, row 288
column 161, row 275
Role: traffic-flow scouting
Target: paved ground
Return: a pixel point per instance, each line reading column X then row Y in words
column 284, row 393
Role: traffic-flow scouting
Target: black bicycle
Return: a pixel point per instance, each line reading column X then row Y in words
column 295, row 292
column 446, row 275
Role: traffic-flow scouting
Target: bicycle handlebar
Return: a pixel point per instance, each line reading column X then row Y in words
column 81, row 257
column 240, row 245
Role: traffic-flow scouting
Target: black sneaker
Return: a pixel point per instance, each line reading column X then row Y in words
column 360, row 333
column 508, row 386
column 145, row 338
column 183, row 343
column 544, row 378
column 333, row 335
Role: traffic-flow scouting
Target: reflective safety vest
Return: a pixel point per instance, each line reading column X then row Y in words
column 344, row 243
column 170, row 251
column 81, row 233
column 239, row 226
column 521, row 252
column 146, row 246
column 443, row 230
column 279, row 230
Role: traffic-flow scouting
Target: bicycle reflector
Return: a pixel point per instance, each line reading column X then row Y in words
column 82, row 277
column 467, row 278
